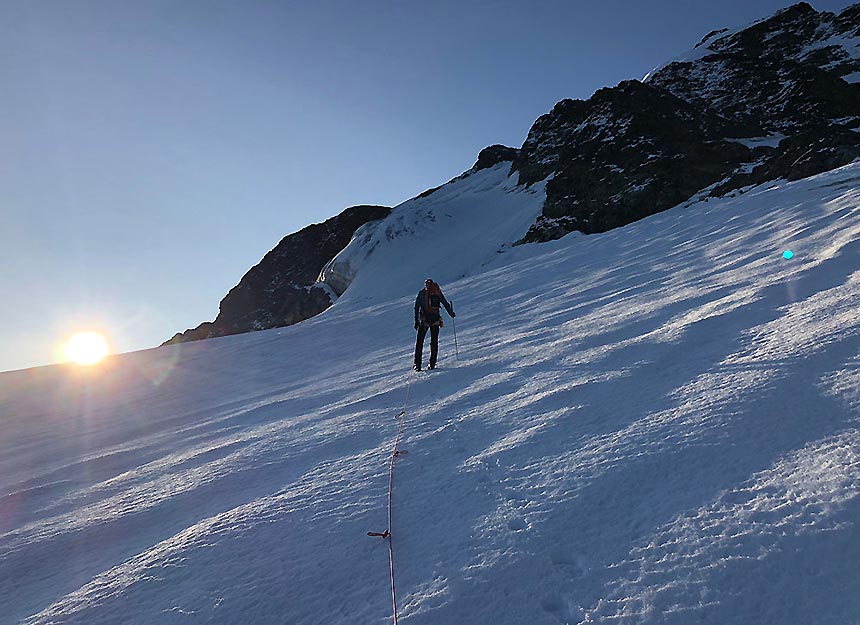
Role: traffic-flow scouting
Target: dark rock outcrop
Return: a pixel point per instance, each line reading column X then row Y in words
column 637, row 149
column 800, row 156
column 782, row 73
column 493, row 155
column 281, row 290
column 626, row 153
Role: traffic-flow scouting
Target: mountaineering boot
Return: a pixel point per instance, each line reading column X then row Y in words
column 416, row 368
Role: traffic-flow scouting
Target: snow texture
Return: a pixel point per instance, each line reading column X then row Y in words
column 449, row 234
column 659, row 424
column 770, row 141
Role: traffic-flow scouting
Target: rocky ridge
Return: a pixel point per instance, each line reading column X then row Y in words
column 282, row 289
column 702, row 123
column 777, row 99
column 299, row 278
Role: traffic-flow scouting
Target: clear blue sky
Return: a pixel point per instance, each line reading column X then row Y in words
column 154, row 151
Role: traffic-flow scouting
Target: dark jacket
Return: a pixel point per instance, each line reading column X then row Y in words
column 421, row 314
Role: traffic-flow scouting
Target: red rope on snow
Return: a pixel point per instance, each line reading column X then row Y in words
column 387, row 533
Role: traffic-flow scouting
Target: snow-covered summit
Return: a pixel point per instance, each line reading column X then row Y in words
column 798, row 33
column 445, row 235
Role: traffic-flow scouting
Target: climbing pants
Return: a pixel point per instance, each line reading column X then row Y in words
column 434, row 344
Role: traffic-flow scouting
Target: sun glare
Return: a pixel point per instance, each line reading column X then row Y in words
column 86, row 348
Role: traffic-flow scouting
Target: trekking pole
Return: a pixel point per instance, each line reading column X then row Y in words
column 454, row 324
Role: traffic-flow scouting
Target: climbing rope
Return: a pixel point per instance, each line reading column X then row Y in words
column 387, row 533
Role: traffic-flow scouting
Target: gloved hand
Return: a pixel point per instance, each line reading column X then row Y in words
column 453, row 314
column 416, row 325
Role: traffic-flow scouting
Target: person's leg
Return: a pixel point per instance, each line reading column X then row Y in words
column 434, row 345
column 419, row 344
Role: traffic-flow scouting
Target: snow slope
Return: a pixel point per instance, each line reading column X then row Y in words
column 658, row 424
column 453, row 232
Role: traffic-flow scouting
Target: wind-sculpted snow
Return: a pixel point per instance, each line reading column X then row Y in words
column 658, row 424
column 446, row 235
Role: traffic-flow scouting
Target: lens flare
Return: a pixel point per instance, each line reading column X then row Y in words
column 86, row 348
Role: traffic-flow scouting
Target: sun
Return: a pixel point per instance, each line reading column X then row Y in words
column 86, row 348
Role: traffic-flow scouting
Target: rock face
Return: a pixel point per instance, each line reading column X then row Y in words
column 640, row 148
column 626, row 153
column 282, row 289
column 778, row 99
column 785, row 73
column 493, row 155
